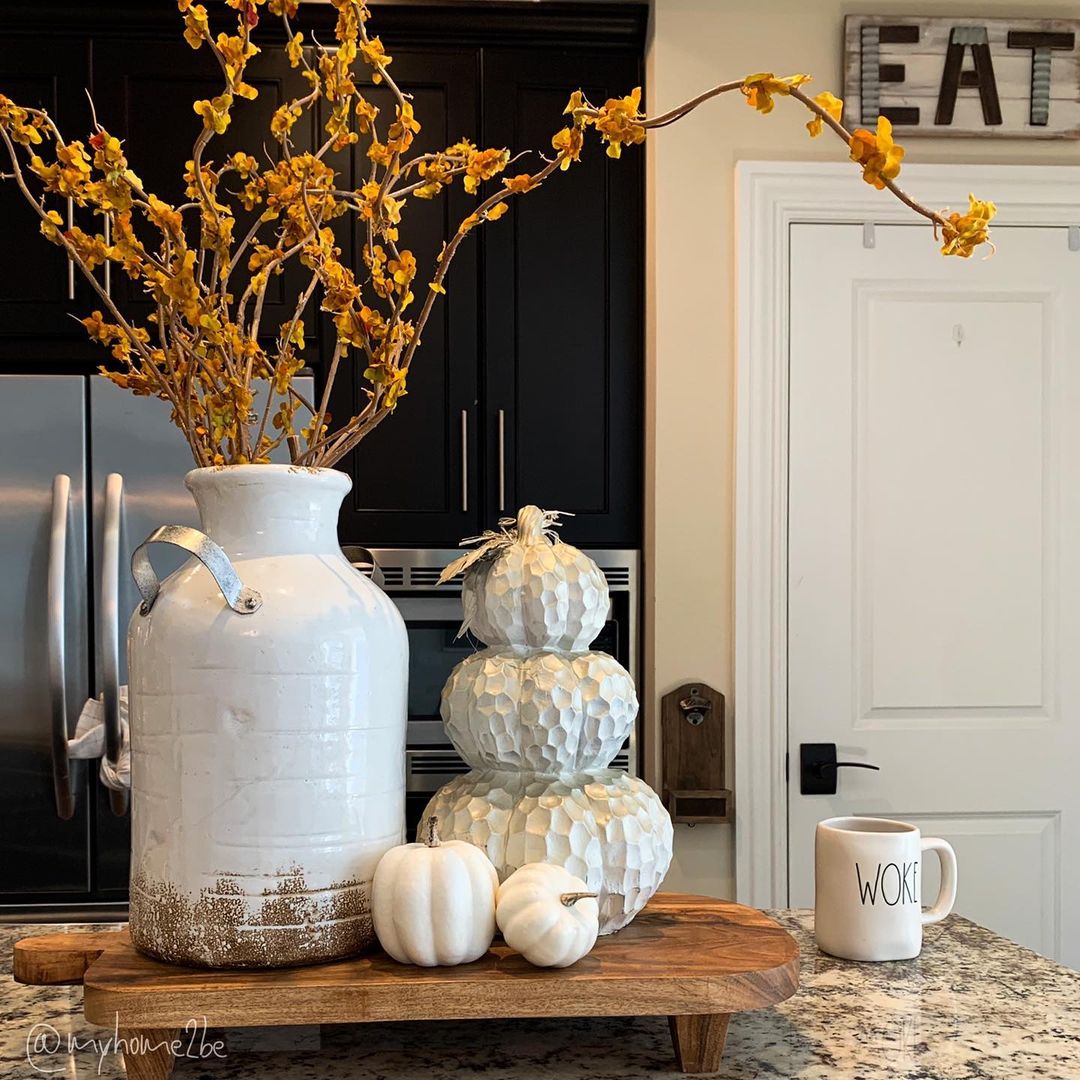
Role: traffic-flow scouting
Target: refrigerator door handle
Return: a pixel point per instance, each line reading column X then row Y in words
column 109, row 629
column 55, row 605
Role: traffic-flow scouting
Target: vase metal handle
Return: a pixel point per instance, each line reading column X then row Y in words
column 239, row 597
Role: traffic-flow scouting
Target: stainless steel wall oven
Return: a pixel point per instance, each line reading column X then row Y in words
column 433, row 615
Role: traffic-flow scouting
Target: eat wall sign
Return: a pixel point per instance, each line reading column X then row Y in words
column 955, row 76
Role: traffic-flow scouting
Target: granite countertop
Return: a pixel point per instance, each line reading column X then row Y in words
column 973, row 1006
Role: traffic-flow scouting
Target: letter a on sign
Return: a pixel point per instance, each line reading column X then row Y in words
column 941, row 75
column 953, row 76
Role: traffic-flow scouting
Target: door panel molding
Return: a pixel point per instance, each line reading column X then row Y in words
column 770, row 197
column 1024, row 697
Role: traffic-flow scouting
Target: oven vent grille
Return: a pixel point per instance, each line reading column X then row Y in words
column 424, row 576
column 434, row 762
column 392, row 575
column 617, row 576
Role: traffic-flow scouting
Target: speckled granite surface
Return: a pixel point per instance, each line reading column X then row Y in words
column 973, row 1006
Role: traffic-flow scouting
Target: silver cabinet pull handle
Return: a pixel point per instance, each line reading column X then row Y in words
column 108, row 265
column 55, row 605
column 109, row 629
column 502, row 460
column 238, row 596
column 464, row 461
column 71, row 261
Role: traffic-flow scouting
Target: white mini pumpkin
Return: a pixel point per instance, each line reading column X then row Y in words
column 547, row 915
column 524, row 586
column 433, row 903
column 546, row 712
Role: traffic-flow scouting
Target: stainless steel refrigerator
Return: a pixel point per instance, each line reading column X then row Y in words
column 87, row 471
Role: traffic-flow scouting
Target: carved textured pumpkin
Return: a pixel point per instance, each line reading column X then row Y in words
column 526, row 587
column 433, row 903
column 539, row 718
column 547, row 915
column 548, row 712
column 603, row 826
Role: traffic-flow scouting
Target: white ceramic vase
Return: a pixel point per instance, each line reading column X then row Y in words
column 267, row 728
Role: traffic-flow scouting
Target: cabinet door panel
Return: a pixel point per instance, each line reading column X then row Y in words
column 34, row 284
column 416, row 477
column 145, row 96
column 563, row 350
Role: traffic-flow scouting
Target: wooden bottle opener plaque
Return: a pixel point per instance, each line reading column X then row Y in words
column 692, row 738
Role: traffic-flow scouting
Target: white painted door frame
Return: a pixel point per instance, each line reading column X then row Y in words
column 770, row 197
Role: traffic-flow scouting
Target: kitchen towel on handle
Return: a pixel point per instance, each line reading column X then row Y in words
column 89, row 742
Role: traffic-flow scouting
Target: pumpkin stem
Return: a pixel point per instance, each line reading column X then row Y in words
column 530, row 525
column 534, row 525
column 571, row 898
column 431, row 836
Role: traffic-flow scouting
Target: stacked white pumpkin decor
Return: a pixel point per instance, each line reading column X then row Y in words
column 539, row 718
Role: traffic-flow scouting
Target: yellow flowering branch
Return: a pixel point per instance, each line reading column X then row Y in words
column 619, row 121
column 201, row 348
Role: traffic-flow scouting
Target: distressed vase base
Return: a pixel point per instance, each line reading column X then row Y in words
column 289, row 926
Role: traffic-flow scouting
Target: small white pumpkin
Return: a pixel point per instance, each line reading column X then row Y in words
column 433, row 903
column 523, row 586
column 547, row 915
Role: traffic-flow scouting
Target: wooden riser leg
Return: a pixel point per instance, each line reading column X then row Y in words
column 148, row 1052
column 699, row 1041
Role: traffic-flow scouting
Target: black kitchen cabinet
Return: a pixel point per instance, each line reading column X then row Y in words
column 37, row 295
column 528, row 386
column 563, row 304
column 143, row 94
column 416, row 477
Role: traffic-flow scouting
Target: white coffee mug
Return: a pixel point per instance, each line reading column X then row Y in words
column 868, row 896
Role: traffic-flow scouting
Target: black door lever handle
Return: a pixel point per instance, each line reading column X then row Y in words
column 818, row 765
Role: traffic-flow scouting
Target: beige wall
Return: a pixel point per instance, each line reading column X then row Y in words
column 691, row 326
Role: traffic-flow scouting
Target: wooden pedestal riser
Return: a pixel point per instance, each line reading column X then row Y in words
column 691, row 958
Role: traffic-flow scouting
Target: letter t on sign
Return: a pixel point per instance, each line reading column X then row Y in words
column 1040, row 43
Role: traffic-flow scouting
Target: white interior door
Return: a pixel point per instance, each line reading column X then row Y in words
column 934, row 558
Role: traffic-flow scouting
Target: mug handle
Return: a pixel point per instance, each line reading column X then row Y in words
column 947, row 892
